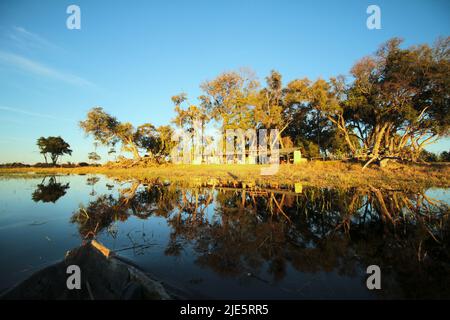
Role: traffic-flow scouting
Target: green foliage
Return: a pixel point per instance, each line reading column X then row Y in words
column 158, row 142
column 444, row 156
column 166, row 144
column 108, row 131
column 93, row 156
column 55, row 146
column 428, row 156
column 399, row 100
column 268, row 111
column 228, row 99
column 102, row 126
column 396, row 104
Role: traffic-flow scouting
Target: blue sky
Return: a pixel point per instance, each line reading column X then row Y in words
column 130, row 57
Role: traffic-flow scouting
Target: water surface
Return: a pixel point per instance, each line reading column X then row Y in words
column 234, row 242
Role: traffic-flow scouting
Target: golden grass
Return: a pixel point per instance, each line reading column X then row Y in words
column 316, row 173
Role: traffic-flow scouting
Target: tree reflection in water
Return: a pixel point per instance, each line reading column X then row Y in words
column 251, row 231
column 92, row 181
column 50, row 191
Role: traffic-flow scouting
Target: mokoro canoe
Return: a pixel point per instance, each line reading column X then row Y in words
column 104, row 276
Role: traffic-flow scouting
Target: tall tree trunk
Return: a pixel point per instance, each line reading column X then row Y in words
column 202, row 140
column 135, row 152
column 54, row 159
column 340, row 123
column 379, row 134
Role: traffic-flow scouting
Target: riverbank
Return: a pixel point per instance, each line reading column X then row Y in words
column 316, row 173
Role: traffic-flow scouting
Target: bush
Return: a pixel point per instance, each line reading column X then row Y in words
column 428, row 156
column 83, row 164
column 445, row 156
column 42, row 165
column 14, row 165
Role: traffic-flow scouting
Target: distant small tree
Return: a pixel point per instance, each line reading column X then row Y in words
column 54, row 146
column 93, row 156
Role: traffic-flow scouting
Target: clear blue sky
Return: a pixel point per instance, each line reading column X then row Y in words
column 130, row 57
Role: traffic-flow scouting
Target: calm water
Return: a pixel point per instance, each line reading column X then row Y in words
column 229, row 243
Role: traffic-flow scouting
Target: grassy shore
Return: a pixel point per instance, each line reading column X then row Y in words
column 316, row 173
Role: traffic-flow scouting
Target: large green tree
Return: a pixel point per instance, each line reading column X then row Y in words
column 269, row 106
column 109, row 131
column 397, row 103
column 192, row 117
column 228, row 99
